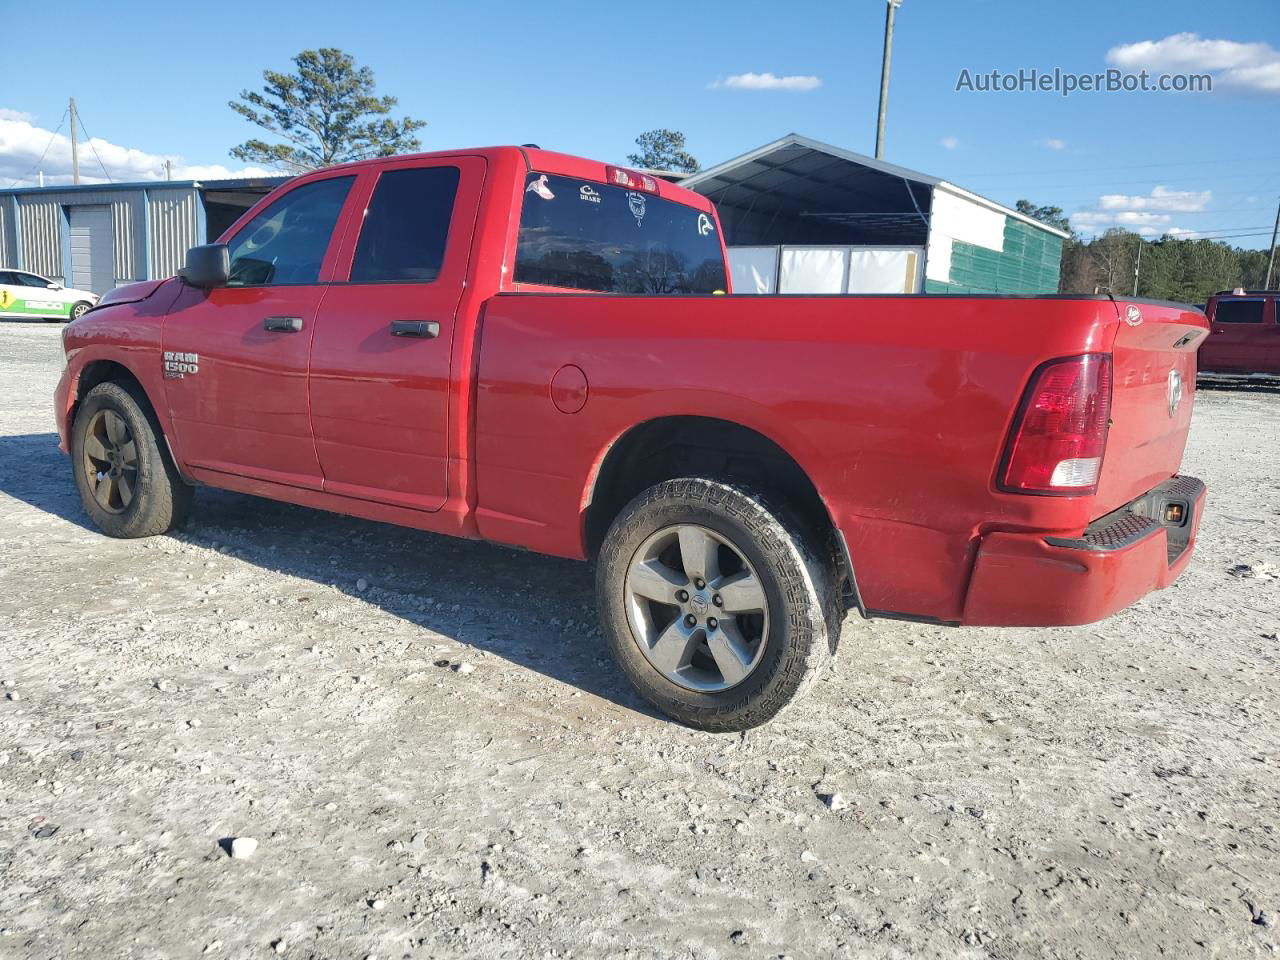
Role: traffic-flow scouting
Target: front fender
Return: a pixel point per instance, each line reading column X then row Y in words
column 114, row 342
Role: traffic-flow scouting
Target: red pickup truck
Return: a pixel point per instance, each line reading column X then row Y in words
column 1244, row 334
column 540, row 350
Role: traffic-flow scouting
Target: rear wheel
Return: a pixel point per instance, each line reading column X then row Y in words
column 715, row 607
column 127, row 483
column 79, row 309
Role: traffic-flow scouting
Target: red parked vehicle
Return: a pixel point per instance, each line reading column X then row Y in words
column 1244, row 334
column 538, row 350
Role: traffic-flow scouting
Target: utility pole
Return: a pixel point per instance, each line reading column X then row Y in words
column 168, row 169
column 75, row 146
column 884, row 75
column 1271, row 260
column 1138, row 265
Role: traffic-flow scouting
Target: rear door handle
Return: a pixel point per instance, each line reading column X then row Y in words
column 282, row 324
column 428, row 330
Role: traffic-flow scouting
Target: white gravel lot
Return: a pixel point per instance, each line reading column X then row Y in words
column 1103, row 791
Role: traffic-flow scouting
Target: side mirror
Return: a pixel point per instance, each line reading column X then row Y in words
column 208, row 266
column 52, row 286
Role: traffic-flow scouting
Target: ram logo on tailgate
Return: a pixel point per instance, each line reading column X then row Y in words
column 1175, row 391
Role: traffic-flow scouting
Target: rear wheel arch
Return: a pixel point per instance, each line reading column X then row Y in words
column 667, row 448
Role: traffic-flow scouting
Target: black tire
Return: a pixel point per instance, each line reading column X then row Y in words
column 160, row 500
column 797, row 584
column 79, row 309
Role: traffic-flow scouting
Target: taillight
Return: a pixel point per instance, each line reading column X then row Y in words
column 631, row 179
column 1058, row 438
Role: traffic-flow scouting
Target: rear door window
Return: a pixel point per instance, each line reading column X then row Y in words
column 1239, row 311
column 286, row 243
column 583, row 235
column 406, row 226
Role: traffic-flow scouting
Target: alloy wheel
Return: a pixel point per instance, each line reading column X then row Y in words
column 697, row 608
column 111, row 461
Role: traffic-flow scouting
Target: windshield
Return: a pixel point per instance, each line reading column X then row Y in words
column 583, row 235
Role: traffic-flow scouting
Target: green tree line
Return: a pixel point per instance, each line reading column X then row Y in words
column 1186, row 271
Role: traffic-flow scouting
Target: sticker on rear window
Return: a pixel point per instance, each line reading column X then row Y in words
column 704, row 225
column 588, row 193
column 540, row 187
column 636, row 202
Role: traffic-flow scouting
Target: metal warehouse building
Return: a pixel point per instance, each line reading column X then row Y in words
column 801, row 216
column 99, row 237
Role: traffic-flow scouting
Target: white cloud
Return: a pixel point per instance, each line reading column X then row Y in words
column 768, row 81
column 1245, row 66
column 1052, row 143
column 1150, row 215
column 950, row 142
column 26, row 150
column 1097, row 219
column 1161, row 198
column 1142, row 222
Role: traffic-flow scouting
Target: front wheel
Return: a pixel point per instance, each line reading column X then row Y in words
column 79, row 309
column 128, row 485
column 715, row 607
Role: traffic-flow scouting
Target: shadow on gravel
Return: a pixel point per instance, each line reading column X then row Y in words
column 33, row 469
column 1241, row 385
column 511, row 604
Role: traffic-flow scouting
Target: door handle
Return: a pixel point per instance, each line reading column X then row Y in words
column 428, row 330
column 282, row 324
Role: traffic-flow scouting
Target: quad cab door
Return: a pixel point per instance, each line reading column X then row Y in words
column 381, row 354
column 235, row 357
column 1240, row 336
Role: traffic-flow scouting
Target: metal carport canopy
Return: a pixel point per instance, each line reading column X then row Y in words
column 798, row 177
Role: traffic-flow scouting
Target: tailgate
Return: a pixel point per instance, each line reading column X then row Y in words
column 1153, row 386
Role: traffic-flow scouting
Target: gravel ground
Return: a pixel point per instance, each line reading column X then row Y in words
column 437, row 759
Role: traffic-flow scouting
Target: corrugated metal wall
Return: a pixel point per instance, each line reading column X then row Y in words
column 8, row 251
column 174, row 229
column 40, row 220
column 1029, row 264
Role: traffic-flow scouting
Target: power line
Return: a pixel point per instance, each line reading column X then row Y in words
column 1130, row 166
column 1198, row 235
column 89, row 139
column 1230, row 229
column 53, row 136
column 1107, row 185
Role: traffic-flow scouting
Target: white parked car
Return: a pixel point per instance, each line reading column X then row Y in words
column 24, row 294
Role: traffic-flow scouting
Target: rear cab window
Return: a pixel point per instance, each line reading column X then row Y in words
column 406, row 227
column 584, row 235
column 1252, row 310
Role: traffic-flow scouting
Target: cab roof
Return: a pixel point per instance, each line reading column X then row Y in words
column 548, row 161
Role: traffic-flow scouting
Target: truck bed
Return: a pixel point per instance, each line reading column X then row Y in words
column 897, row 407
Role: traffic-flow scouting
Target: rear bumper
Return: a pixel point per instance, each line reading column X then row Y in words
column 1032, row 580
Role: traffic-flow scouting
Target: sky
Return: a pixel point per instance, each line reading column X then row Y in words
column 152, row 81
